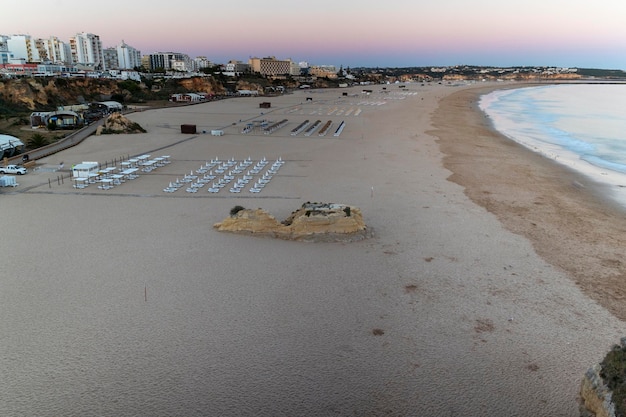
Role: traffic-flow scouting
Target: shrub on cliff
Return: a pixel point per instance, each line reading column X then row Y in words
column 614, row 374
column 235, row 210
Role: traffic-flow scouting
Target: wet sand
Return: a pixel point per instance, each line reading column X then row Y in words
column 563, row 213
column 127, row 302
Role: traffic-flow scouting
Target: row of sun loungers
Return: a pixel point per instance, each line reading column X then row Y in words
column 325, row 128
column 312, row 128
column 270, row 129
column 227, row 174
column 299, row 128
column 340, row 129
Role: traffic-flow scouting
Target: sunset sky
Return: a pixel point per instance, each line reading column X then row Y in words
column 394, row 33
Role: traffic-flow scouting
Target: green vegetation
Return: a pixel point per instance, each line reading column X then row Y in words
column 37, row 141
column 614, row 374
column 602, row 73
column 132, row 87
column 235, row 210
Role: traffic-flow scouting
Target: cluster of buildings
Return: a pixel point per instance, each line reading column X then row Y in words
column 83, row 51
column 24, row 55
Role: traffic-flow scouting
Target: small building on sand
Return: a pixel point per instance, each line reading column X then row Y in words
column 85, row 169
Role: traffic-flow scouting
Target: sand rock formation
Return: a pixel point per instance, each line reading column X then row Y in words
column 596, row 396
column 117, row 123
column 312, row 222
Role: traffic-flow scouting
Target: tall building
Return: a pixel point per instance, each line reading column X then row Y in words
column 110, row 58
column 5, row 53
column 122, row 56
column 170, row 61
column 201, row 62
column 87, row 50
column 272, row 66
column 127, row 56
column 38, row 50
column 58, row 52
column 23, row 47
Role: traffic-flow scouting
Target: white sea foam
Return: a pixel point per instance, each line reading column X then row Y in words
column 582, row 126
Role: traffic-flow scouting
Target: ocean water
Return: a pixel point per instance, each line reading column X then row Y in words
column 582, row 126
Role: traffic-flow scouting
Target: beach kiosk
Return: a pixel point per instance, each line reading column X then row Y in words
column 85, row 170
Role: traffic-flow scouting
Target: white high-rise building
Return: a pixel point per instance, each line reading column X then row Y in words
column 201, row 62
column 127, row 56
column 87, row 50
column 23, row 47
column 59, row 52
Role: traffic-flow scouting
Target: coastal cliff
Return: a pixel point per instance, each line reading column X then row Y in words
column 49, row 93
column 595, row 395
column 603, row 388
column 311, row 222
column 35, row 94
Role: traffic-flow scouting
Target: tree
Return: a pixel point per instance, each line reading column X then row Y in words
column 37, row 141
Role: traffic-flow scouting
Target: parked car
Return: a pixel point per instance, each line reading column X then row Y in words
column 13, row 169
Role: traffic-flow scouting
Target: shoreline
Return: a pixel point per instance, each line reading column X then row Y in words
column 613, row 181
column 562, row 212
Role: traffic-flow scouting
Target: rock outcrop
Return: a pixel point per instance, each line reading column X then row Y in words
column 117, row 123
column 312, row 222
column 596, row 397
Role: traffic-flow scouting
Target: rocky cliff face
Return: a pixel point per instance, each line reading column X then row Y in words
column 34, row 94
column 312, row 222
column 49, row 93
column 203, row 85
column 595, row 396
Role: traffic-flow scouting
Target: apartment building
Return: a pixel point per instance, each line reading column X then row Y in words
column 5, row 54
column 127, row 56
column 122, row 56
column 201, row 62
column 271, row 66
column 87, row 51
column 170, row 61
column 23, row 47
column 58, row 52
column 34, row 50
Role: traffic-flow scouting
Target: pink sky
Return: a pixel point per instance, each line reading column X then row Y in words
column 350, row 33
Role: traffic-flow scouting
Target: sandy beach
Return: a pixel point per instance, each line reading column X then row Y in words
column 562, row 212
column 489, row 287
